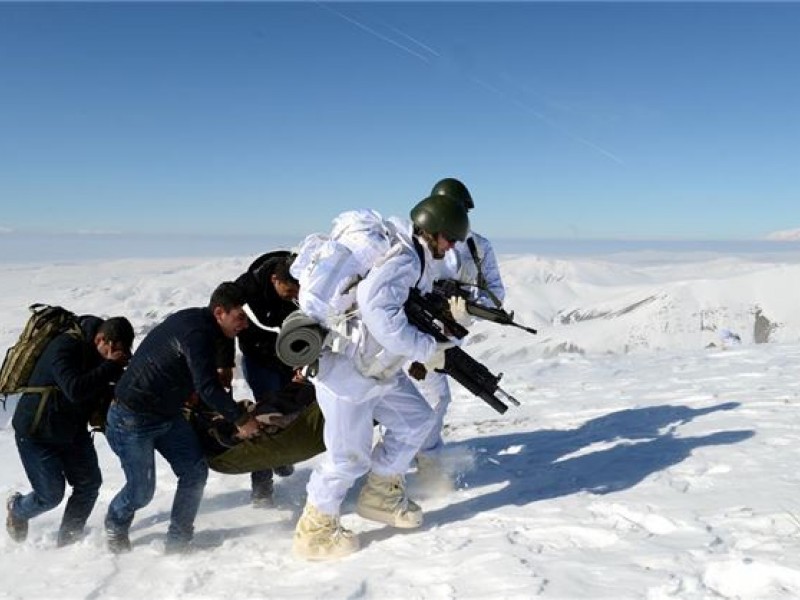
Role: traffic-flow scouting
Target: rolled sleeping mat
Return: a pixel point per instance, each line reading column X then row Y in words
column 300, row 340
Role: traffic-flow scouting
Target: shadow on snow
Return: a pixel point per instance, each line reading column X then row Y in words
column 536, row 465
column 540, row 465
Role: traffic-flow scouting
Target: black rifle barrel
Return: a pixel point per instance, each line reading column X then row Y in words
column 474, row 376
column 508, row 396
column 448, row 288
column 426, row 312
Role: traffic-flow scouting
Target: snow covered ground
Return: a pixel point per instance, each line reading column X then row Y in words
column 652, row 457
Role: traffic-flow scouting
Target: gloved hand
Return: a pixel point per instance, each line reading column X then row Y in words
column 417, row 370
column 436, row 361
column 458, row 309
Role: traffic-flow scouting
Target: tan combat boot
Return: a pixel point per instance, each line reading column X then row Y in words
column 384, row 499
column 318, row 536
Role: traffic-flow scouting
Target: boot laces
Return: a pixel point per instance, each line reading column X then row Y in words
column 332, row 524
column 337, row 531
column 340, row 532
column 398, row 488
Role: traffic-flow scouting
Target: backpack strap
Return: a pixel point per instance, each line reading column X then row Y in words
column 473, row 250
column 481, row 283
column 421, row 255
column 45, row 392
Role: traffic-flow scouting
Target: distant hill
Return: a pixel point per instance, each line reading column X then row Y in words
column 635, row 303
column 593, row 306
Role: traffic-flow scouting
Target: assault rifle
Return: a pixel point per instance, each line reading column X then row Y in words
column 447, row 288
column 431, row 313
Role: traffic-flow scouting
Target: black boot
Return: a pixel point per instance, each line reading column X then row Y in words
column 118, row 541
column 67, row 536
column 263, row 488
column 172, row 547
column 284, row 470
column 17, row 528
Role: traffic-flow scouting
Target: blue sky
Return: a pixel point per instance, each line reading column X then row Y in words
column 566, row 120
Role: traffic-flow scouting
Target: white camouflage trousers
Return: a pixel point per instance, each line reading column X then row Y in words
column 435, row 388
column 350, row 402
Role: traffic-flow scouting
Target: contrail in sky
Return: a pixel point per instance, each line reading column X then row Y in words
column 414, row 40
column 375, row 33
column 487, row 86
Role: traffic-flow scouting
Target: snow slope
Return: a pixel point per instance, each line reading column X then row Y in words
column 643, row 462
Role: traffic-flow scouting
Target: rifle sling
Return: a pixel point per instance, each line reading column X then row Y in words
column 481, row 283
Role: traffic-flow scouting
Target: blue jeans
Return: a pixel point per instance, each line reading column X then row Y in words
column 49, row 468
column 262, row 380
column 134, row 438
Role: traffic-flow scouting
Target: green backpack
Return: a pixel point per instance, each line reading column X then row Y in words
column 43, row 325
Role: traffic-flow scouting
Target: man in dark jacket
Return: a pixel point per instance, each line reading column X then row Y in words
column 271, row 294
column 176, row 359
column 51, row 430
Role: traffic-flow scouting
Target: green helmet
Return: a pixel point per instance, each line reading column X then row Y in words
column 442, row 214
column 455, row 189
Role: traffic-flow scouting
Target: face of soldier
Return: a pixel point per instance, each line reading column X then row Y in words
column 441, row 244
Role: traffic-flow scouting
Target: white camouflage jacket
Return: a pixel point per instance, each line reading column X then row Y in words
column 384, row 339
column 459, row 264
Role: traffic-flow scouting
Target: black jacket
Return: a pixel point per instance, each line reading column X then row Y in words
column 268, row 307
column 174, row 360
column 84, row 380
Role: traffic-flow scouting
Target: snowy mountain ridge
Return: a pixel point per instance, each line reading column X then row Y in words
column 581, row 305
column 598, row 307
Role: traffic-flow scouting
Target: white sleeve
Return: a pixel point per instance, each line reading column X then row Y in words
column 490, row 268
column 381, row 296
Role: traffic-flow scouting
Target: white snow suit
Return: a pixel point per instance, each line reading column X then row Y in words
column 364, row 380
column 459, row 264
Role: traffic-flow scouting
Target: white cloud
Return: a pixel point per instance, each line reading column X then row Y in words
column 787, row 235
column 5, row 230
column 98, row 232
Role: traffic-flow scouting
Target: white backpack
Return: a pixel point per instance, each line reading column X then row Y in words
column 329, row 267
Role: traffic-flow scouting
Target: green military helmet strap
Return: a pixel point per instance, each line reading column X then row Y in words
column 455, row 189
column 442, row 214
